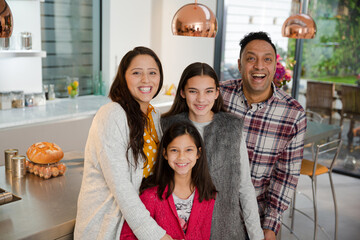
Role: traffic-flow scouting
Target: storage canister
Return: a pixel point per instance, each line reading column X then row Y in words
column 26, row 40
column 5, row 100
column 39, row 99
column 9, row 154
column 4, row 43
column 29, row 99
column 51, row 92
column 19, row 166
column 17, row 99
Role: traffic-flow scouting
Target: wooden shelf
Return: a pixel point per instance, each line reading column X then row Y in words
column 22, row 53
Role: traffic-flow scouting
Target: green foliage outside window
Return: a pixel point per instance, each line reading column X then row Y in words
column 334, row 53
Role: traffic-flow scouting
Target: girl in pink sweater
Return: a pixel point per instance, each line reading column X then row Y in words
column 180, row 195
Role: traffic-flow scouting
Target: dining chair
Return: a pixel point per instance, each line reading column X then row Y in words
column 313, row 117
column 320, row 97
column 312, row 169
column 350, row 98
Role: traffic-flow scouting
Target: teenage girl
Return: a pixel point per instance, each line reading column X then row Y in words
column 198, row 101
column 180, row 194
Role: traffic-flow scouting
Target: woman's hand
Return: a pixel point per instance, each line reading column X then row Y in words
column 269, row 235
column 166, row 237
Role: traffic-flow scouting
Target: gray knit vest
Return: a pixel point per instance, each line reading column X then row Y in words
column 222, row 139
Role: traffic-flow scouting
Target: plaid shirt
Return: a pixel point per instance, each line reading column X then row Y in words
column 275, row 131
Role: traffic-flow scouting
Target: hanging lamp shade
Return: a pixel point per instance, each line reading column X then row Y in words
column 6, row 20
column 194, row 20
column 299, row 26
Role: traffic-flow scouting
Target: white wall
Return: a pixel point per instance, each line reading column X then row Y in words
column 127, row 24
column 23, row 73
column 177, row 52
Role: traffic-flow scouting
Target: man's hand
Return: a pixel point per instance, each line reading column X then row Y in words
column 269, row 235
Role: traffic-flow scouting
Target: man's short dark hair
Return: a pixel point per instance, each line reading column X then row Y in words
column 255, row 36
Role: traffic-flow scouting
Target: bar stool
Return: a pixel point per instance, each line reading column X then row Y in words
column 313, row 117
column 314, row 169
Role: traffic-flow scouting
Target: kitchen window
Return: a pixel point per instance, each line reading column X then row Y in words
column 242, row 17
column 71, row 37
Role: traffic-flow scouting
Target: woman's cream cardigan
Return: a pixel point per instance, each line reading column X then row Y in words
column 109, row 190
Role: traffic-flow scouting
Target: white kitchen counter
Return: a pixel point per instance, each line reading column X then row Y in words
column 60, row 110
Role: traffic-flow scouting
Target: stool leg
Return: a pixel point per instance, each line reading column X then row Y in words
column 350, row 135
column 313, row 180
column 335, row 205
column 292, row 211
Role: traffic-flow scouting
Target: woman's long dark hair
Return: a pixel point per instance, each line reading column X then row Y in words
column 119, row 92
column 193, row 70
column 164, row 175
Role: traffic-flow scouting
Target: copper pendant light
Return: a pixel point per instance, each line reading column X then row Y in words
column 299, row 26
column 194, row 20
column 6, row 20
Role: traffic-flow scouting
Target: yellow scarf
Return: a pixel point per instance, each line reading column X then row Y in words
column 151, row 142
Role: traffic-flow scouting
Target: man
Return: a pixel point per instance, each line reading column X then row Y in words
column 274, row 127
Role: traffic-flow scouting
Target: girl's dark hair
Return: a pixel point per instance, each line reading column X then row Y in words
column 164, row 175
column 193, row 70
column 119, row 92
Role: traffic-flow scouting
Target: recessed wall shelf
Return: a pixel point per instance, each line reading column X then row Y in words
column 22, row 53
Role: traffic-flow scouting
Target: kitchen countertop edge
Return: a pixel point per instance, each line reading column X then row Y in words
column 60, row 110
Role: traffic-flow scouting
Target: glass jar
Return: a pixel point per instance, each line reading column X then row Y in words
column 29, row 100
column 73, row 87
column 17, row 99
column 39, row 99
column 51, row 92
column 46, row 90
column 5, row 100
column 26, row 41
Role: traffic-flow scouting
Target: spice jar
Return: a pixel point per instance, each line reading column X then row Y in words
column 29, row 99
column 19, row 166
column 4, row 43
column 39, row 99
column 9, row 154
column 17, row 99
column 5, row 100
column 26, row 40
column 46, row 91
column 51, row 92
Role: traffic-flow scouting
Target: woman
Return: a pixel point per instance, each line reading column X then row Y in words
column 198, row 100
column 120, row 150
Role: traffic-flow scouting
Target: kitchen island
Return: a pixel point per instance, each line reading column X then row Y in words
column 47, row 209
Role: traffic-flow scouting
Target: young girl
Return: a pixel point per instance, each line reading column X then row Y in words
column 198, row 101
column 180, row 195
column 120, row 150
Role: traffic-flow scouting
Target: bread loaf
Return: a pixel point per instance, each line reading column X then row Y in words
column 44, row 153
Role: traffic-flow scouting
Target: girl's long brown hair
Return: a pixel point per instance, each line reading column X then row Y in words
column 164, row 175
column 119, row 92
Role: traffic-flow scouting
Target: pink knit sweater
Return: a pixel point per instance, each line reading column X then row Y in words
column 164, row 213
